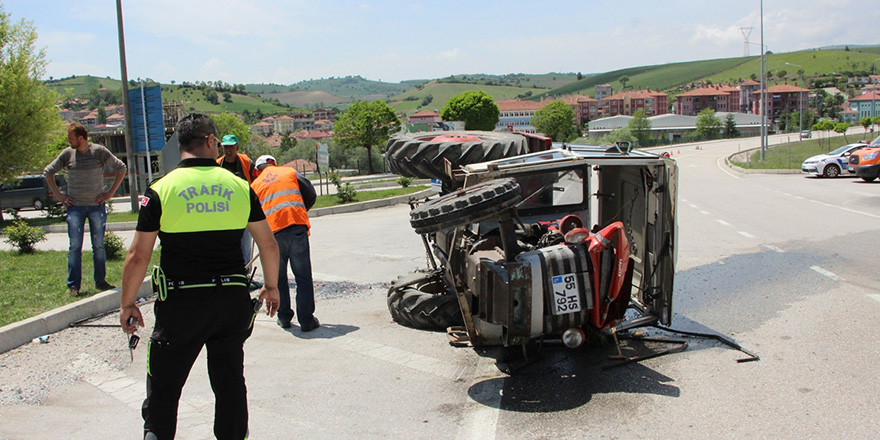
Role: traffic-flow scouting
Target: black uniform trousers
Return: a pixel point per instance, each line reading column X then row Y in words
column 219, row 318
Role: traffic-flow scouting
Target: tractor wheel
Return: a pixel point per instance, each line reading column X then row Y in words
column 423, row 155
column 420, row 300
column 466, row 206
column 831, row 171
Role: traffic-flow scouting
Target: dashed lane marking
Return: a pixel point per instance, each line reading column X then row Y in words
column 705, row 213
column 724, row 223
column 746, row 234
column 874, row 296
column 826, row 273
column 773, row 248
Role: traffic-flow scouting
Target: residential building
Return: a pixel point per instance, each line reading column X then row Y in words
column 425, row 117
column 324, row 114
column 603, row 91
column 262, row 128
column 303, row 121
column 281, row 124
column 745, row 96
column 866, row 105
column 516, row 115
column 781, row 98
column 718, row 97
column 627, row 103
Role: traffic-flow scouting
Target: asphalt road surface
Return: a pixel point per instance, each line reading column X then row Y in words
column 783, row 264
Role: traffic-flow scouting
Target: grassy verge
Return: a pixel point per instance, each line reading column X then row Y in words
column 36, row 283
column 791, row 156
column 365, row 196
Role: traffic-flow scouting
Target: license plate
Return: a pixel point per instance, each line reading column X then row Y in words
column 566, row 296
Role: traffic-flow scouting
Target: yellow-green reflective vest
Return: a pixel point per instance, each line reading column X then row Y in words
column 202, row 198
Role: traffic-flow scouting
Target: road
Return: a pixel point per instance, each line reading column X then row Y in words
column 784, row 264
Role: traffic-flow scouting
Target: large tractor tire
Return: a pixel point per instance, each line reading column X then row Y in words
column 466, row 206
column 420, row 300
column 423, row 155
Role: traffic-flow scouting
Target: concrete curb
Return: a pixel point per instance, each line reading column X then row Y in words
column 19, row 333
column 729, row 162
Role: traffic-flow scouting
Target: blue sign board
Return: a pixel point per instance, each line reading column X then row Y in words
column 155, row 121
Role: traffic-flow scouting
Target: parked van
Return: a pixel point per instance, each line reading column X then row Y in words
column 29, row 192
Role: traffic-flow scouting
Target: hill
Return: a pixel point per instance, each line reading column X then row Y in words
column 434, row 95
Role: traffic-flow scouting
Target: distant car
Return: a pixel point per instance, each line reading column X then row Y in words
column 831, row 164
column 29, row 192
column 806, row 134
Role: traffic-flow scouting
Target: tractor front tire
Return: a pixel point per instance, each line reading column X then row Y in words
column 466, row 206
column 420, row 300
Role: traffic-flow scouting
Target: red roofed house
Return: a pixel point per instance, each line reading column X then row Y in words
column 745, row 96
column 627, row 103
column 781, row 98
column 262, row 128
column 716, row 97
column 425, row 117
column 866, row 105
column 516, row 115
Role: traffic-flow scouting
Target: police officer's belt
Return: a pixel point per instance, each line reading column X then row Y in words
column 161, row 284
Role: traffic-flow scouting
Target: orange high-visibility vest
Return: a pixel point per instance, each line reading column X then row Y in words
column 245, row 165
column 280, row 197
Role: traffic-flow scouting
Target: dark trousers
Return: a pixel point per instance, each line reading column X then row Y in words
column 217, row 318
column 293, row 245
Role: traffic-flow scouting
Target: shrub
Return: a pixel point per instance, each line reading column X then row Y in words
column 55, row 211
column 345, row 191
column 404, row 181
column 114, row 246
column 23, row 237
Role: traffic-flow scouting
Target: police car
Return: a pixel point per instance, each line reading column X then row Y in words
column 831, row 164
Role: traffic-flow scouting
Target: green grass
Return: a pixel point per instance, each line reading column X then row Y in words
column 113, row 217
column 791, row 156
column 365, row 196
column 814, row 62
column 36, row 283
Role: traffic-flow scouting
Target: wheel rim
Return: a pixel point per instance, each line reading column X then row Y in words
column 38, row 204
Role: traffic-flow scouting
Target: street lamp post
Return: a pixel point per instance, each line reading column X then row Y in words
column 800, row 105
column 763, row 91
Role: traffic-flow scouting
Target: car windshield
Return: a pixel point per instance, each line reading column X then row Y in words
column 840, row 150
column 876, row 142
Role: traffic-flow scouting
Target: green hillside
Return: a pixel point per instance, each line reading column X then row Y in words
column 412, row 101
column 661, row 76
column 82, row 85
column 815, row 63
column 195, row 100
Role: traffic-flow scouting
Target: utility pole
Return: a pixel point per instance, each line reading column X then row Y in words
column 129, row 145
column 763, row 91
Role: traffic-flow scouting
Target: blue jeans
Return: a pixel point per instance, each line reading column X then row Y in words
column 293, row 243
column 76, row 219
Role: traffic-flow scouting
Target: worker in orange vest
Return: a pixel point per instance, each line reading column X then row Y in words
column 240, row 165
column 286, row 197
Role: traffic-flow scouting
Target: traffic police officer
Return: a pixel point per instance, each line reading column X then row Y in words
column 199, row 212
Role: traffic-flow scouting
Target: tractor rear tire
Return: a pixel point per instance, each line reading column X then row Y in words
column 418, row 155
column 420, row 300
column 466, row 206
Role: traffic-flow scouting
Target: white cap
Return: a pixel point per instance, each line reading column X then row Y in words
column 265, row 159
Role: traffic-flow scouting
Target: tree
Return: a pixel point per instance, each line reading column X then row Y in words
column 367, row 124
column 227, row 123
column 708, row 125
column 841, row 128
column 866, row 122
column 554, row 120
column 227, row 97
column 622, row 134
column 580, row 76
column 28, row 118
column 287, row 142
column 474, row 107
column 211, row 96
column 623, row 80
column 640, row 127
column 781, row 74
column 730, row 130
column 102, row 115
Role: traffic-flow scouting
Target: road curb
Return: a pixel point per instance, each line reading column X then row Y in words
column 19, row 333
column 729, row 162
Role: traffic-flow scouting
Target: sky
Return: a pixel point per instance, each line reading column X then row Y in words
column 287, row 41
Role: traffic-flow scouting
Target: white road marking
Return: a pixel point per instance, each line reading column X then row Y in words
column 481, row 413
column 773, row 248
column 874, row 296
column 397, row 356
column 722, row 167
column 746, row 234
column 694, row 206
column 705, row 212
column 800, row 197
column 723, row 222
column 826, row 273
